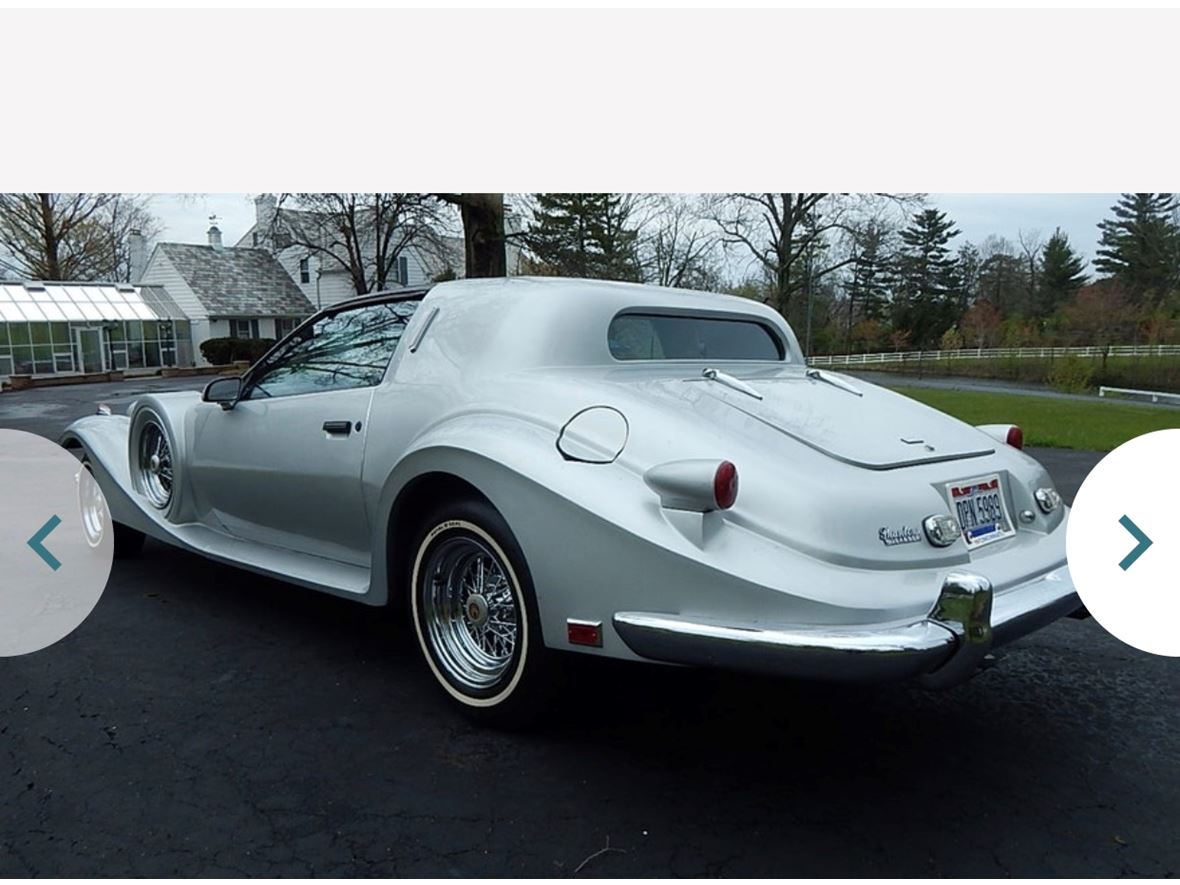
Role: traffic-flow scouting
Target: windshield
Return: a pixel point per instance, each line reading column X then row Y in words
column 638, row 336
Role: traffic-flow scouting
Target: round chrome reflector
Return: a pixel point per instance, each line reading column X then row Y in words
column 941, row 530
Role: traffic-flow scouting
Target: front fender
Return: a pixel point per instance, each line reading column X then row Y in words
column 104, row 441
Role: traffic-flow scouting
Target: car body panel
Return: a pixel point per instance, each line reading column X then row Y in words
column 485, row 378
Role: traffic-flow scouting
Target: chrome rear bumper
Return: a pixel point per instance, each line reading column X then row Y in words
column 944, row 648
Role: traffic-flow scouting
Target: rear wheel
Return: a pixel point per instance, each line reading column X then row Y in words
column 475, row 615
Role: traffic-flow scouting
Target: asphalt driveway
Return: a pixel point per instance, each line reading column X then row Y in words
column 205, row 721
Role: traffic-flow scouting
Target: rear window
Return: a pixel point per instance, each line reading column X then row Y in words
column 639, row 336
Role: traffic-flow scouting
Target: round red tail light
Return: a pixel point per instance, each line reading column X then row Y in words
column 725, row 485
column 1015, row 437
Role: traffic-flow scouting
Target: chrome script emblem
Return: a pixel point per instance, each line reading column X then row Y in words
column 905, row 534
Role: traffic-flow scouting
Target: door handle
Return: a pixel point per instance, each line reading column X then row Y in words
column 343, row 428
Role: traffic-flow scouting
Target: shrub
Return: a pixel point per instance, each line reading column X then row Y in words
column 1071, row 374
column 221, row 351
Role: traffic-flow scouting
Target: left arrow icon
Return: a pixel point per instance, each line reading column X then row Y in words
column 37, row 542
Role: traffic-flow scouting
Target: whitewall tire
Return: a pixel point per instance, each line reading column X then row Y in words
column 474, row 614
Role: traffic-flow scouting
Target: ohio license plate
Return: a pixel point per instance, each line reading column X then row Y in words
column 979, row 506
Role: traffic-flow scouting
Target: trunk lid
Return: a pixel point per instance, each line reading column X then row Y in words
column 877, row 430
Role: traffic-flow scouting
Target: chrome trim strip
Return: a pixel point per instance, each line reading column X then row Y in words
column 730, row 381
column 422, row 330
column 817, row 375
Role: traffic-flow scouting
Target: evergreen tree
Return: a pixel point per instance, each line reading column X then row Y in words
column 584, row 235
column 1062, row 274
column 1140, row 245
column 927, row 277
column 868, row 286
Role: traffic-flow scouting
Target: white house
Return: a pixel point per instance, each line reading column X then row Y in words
column 226, row 291
column 324, row 280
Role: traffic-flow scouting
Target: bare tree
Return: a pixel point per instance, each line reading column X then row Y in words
column 1031, row 245
column 785, row 233
column 72, row 236
column 677, row 248
column 362, row 233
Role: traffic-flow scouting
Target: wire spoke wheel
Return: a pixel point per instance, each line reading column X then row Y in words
column 471, row 614
column 154, row 464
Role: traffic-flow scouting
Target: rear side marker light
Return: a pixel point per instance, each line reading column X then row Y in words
column 1015, row 437
column 584, row 632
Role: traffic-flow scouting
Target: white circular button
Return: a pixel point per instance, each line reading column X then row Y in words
column 1123, row 542
column 56, row 543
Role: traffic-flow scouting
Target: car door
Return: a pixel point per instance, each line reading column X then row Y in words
column 283, row 465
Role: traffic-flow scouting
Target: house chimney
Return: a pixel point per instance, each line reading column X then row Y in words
column 265, row 208
column 137, row 256
column 214, row 233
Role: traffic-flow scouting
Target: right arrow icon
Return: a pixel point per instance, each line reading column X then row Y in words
column 1137, row 534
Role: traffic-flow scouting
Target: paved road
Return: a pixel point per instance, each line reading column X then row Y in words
column 48, row 410
column 205, row 721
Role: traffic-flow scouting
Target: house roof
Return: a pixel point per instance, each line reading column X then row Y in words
column 237, row 281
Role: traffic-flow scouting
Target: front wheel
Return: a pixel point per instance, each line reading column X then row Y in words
column 475, row 615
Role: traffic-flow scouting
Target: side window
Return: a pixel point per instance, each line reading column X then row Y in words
column 305, row 270
column 348, row 349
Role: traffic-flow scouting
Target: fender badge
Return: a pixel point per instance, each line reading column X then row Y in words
column 903, row 535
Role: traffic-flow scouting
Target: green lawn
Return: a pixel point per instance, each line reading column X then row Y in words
column 1064, row 423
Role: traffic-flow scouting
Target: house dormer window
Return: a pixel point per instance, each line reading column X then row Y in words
column 305, row 270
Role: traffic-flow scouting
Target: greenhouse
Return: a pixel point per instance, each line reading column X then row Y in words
column 67, row 328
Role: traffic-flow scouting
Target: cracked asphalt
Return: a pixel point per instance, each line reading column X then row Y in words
column 207, row 722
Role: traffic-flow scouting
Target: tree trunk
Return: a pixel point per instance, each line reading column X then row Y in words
column 49, row 234
column 483, row 234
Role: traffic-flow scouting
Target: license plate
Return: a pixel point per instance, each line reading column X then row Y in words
column 979, row 506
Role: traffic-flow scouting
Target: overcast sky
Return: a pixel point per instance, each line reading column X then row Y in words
column 186, row 216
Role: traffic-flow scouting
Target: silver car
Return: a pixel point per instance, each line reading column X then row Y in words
column 535, row 465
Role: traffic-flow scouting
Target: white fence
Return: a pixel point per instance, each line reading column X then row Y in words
column 1154, row 395
column 991, row 353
